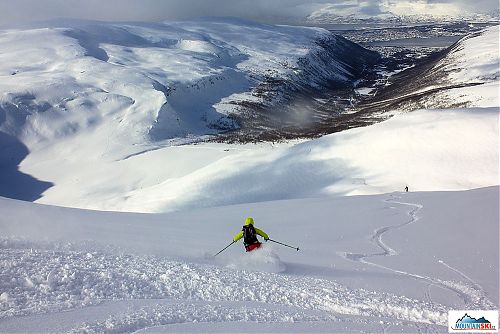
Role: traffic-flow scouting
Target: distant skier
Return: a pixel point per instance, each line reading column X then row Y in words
column 249, row 235
column 406, row 189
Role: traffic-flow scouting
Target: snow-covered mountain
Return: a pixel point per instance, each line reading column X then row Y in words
column 150, row 82
column 412, row 11
column 107, row 91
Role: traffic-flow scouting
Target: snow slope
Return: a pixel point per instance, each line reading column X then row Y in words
column 481, row 67
column 371, row 263
column 426, row 150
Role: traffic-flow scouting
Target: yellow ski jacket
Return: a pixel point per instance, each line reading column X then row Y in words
column 249, row 221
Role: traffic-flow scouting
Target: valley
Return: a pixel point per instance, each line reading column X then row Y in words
column 406, row 51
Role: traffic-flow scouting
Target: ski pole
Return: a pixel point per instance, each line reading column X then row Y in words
column 297, row 248
column 224, row 248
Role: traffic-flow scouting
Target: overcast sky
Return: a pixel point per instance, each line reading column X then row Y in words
column 22, row 11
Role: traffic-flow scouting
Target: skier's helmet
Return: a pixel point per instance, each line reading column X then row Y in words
column 249, row 221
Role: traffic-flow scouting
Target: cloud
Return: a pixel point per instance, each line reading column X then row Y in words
column 12, row 11
column 476, row 5
column 22, row 11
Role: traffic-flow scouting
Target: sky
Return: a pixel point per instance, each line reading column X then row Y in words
column 23, row 11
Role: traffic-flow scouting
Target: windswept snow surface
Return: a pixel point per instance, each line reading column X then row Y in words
column 385, row 263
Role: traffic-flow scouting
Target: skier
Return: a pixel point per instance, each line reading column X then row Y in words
column 406, row 189
column 249, row 235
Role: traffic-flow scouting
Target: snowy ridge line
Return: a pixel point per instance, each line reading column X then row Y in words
column 472, row 294
column 421, row 93
column 43, row 280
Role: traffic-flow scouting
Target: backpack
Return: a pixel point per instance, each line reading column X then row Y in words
column 249, row 234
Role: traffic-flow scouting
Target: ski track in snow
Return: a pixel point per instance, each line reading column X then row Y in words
column 38, row 279
column 471, row 293
column 160, row 315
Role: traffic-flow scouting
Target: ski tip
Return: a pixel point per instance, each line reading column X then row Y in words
column 297, row 249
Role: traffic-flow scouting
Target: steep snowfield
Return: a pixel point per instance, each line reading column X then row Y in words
column 392, row 263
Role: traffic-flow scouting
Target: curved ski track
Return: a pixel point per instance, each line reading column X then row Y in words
column 470, row 292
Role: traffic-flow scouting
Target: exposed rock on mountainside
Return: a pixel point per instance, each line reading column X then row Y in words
column 309, row 103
